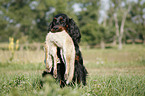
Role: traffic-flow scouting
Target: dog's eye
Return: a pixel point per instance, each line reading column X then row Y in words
column 54, row 19
column 61, row 20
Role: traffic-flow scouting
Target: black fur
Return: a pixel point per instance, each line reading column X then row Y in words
column 70, row 26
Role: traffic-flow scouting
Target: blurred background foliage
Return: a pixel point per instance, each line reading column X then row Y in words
column 28, row 20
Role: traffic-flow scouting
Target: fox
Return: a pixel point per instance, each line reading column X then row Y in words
column 67, row 49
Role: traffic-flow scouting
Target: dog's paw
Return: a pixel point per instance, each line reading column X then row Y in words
column 44, row 73
column 65, row 76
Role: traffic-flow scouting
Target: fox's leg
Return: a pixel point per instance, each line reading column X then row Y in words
column 48, row 58
column 66, row 59
column 70, row 60
column 69, row 64
column 55, row 62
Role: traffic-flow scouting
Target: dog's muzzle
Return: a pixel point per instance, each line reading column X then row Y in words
column 57, row 28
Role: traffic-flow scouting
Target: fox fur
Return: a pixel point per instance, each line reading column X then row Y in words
column 66, row 45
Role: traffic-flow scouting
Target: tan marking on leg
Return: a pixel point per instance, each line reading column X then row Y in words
column 77, row 58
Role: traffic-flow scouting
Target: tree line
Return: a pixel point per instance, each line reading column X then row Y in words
column 100, row 21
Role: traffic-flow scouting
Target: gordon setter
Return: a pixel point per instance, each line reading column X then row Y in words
column 62, row 21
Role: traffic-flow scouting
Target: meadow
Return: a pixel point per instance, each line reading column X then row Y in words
column 112, row 72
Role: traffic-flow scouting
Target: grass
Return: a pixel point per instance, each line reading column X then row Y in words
column 112, row 72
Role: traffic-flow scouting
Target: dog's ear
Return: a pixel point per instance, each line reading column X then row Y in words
column 74, row 31
column 50, row 26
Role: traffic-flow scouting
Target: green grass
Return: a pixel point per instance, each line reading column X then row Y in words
column 113, row 85
column 116, row 85
column 112, row 72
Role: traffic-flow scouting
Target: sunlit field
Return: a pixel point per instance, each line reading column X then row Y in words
column 112, row 72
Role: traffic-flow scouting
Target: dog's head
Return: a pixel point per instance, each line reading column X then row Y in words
column 63, row 22
column 59, row 23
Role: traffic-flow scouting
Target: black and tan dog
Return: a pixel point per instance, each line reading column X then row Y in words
column 63, row 22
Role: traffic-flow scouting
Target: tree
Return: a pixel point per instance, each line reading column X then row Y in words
column 138, row 19
column 88, row 21
column 119, row 33
column 30, row 18
column 120, row 9
column 18, row 16
column 94, row 32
